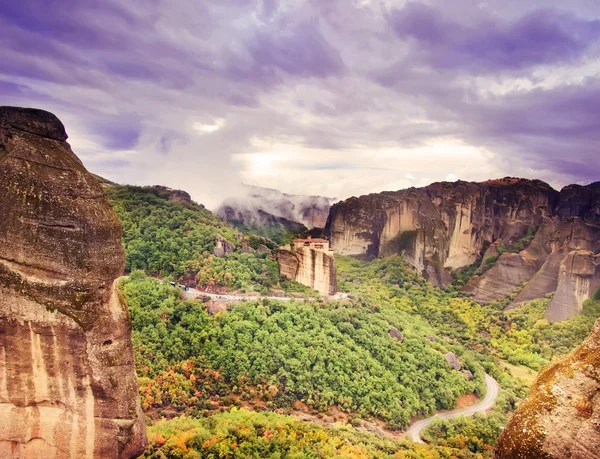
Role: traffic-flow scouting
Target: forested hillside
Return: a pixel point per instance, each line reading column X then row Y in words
column 177, row 239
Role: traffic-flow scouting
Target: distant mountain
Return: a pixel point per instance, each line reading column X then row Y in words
column 274, row 214
column 514, row 231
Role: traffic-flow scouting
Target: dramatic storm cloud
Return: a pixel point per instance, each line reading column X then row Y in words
column 333, row 97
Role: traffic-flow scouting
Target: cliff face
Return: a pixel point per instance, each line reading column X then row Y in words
column 447, row 226
column 441, row 227
column 311, row 267
column 578, row 279
column 67, row 382
column 560, row 417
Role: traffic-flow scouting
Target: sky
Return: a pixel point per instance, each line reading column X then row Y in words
column 322, row 97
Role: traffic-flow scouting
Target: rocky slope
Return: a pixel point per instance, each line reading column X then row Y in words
column 523, row 228
column 67, row 382
column 560, row 418
column 265, row 207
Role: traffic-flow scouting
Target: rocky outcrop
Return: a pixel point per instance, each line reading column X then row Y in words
column 578, row 279
column 223, row 247
column 560, row 417
column 308, row 266
column 68, row 387
column 522, row 230
column 175, row 195
column 441, row 227
column 453, row 361
column 396, row 334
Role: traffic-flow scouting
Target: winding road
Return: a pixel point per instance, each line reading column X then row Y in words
column 491, row 394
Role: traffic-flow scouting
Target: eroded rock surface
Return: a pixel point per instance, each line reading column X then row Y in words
column 560, row 418
column 578, row 279
column 68, row 387
column 223, row 246
column 309, row 266
column 440, row 227
column 524, row 226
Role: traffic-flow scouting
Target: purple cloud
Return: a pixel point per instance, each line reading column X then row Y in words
column 331, row 79
column 539, row 37
column 299, row 51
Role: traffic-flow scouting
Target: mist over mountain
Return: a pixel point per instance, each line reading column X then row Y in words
column 274, row 214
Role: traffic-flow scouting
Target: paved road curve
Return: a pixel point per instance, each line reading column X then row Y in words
column 491, row 394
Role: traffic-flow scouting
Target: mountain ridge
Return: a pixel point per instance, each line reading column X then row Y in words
column 520, row 226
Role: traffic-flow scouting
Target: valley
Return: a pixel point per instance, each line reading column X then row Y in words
column 273, row 352
column 358, row 339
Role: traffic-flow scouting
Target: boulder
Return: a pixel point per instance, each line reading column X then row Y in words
column 246, row 247
column 560, row 417
column 468, row 374
column 263, row 249
column 396, row 334
column 453, row 361
column 68, row 386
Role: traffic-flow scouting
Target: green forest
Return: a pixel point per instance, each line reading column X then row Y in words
column 177, row 240
column 322, row 354
column 313, row 377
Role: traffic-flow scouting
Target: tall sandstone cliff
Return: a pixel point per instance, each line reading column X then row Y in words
column 560, row 418
column 312, row 267
column 447, row 226
column 68, row 387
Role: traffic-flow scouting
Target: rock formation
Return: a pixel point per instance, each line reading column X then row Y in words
column 522, row 230
column 560, row 418
column 223, row 247
column 578, row 279
column 175, row 195
column 396, row 334
column 311, row 263
column 441, row 227
column 68, row 387
column 453, row 361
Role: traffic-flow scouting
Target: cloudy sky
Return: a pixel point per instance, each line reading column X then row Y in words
column 331, row 97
